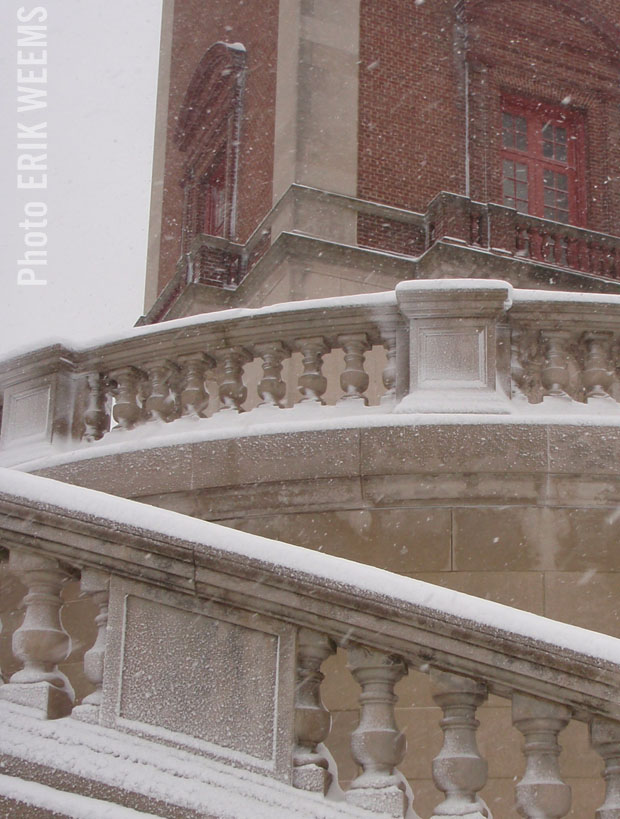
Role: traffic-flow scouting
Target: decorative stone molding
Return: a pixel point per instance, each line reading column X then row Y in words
column 453, row 340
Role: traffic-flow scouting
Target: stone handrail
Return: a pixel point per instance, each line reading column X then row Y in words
column 505, row 230
column 281, row 611
column 451, row 346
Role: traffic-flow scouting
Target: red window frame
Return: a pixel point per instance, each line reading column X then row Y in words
column 215, row 197
column 551, row 147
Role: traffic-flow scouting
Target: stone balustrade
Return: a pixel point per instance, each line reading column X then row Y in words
column 214, row 641
column 450, row 346
column 506, row 231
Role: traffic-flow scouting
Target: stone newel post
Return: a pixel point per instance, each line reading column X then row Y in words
column 456, row 356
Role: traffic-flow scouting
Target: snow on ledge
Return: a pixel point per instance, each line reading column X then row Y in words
column 159, row 524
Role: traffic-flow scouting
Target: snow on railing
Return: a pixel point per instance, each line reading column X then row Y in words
column 449, row 346
column 213, row 640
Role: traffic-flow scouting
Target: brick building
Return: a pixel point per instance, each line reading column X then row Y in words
column 345, row 123
column 323, row 163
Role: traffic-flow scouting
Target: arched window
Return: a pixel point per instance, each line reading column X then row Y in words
column 208, row 133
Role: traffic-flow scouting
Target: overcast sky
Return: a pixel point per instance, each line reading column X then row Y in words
column 100, row 96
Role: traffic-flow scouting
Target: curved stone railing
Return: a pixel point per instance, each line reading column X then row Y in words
column 450, row 346
column 213, row 641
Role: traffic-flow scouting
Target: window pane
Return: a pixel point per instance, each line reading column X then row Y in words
column 548, row 177
column 508, row 139
column 509, row 168
column 509, row 202
column 549, row 196
column 522, row 190
column 547, row 131
column 560, row 135
column 521, row 172
column 561, row 201
column 509, row 188
column 560, row 153
column 522, row 206
column 521, row 142
column 550, row 213
column 561, row 181
column 548, row 150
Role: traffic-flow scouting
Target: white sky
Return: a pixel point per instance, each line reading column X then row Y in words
column 101, row 87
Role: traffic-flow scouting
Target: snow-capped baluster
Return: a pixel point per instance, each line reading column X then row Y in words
column 312, row 383
column 541, row 793
column 271, row 387
column 389, row 372
column 376, row 744
column 312, row 719
column 96, row 419
column 555, row 371
column 354, row 379
column 459, row 770
column 597, row 374
column 94, row 584
column 232, row 391
column 160, row 404
column 127, row 412
column 605, row 737
column 193, row 392
column 41, row 641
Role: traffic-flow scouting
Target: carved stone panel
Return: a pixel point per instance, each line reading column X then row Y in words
column 28, row 414
column 198, row 675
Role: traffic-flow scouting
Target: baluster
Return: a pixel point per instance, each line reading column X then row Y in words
column 376, row 744
column 459, row 770
column 312, row 383
column 584, row 258
column 127, row 412
column 614, row 262
column 232, row 390
column 41, row 641
column 312, row 719
column 597, row 373
column 605, row 738
column 555, row 372
column 271, row 388
column 572, row 252
column 389, row 371
column 160, row 404
column 536, row 245
column 194, row 394
column 541, row 794
column 96, row 419
column 521, row 241
column 354, row 379
column 561, row 251
column 94, row 584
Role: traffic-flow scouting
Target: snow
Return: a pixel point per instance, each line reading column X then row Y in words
column 66, row 804
column 364, row 300
column 264, row 421
column 138, row 765
column 327, row 570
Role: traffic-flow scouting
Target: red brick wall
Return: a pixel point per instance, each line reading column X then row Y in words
column 412, row 94
column 547, row 53
column 197, row 25
column 411, row 112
